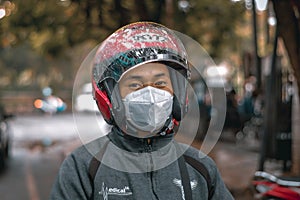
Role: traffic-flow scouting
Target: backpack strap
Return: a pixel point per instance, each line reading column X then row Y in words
column 185, row 179
column 94, row 165
column 201, row 168
column 93, row 168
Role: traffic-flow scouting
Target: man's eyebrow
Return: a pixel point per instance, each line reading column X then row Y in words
column 138, row 77
column 160, row 75
column 134, row 77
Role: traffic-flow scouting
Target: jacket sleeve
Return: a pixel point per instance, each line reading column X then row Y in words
column 220, row 190
column 72, row 181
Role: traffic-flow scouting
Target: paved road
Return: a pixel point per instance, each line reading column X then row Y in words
column 40, row 143
column 29, row 175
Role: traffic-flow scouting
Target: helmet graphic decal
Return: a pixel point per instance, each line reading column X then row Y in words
column 136, row 43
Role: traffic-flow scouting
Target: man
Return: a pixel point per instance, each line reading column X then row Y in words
column 139, row 79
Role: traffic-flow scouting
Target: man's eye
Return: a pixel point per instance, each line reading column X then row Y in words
column 161, row 84
column 135, row 85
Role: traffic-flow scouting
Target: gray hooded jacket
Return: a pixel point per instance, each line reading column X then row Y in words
column 133, row 168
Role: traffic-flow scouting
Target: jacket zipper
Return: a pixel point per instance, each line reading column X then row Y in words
column 148, row 149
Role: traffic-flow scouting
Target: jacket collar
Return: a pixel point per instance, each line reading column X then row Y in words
column 140, row 145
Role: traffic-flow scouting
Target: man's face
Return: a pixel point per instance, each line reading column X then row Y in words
column 150, row 74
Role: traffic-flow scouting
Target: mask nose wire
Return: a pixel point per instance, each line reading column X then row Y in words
column 152, row 100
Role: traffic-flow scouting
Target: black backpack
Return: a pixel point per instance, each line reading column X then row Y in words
column 200, row 167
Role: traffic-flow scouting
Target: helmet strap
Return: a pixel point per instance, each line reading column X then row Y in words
column 169, row 126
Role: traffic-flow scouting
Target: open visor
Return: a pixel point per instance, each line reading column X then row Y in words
column 91, row 125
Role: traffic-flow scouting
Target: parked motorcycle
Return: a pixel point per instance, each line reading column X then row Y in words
column 269, row 186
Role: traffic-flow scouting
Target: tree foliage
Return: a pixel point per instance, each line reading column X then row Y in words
column 49, row 29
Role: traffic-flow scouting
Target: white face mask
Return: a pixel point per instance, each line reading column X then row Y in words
column 148, row 109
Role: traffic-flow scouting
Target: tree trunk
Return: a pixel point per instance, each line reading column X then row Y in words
column 124, row 16
column 141, row 9
column 169, row 14
column 288, row 27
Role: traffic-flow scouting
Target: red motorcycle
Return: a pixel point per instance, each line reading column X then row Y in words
column 269, row 186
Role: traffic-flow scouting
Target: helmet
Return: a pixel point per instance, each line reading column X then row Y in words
column 136, row 44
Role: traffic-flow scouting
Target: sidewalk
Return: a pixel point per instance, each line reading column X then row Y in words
column 237, row 167
column 238, row 162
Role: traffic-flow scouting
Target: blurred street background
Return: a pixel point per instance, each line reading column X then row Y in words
column 255, row 47
column 41, row 142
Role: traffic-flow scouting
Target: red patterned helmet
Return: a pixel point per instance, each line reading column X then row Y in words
column 136, row 44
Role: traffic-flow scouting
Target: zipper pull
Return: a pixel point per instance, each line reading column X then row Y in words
column 148, row 146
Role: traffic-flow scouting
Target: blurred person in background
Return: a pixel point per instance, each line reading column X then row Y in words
column 139, row 79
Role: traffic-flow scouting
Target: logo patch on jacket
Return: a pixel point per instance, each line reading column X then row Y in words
column 106, row 191
column 178, row 183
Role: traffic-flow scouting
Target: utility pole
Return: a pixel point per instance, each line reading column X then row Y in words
column 270, row 125
column 257, row 60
